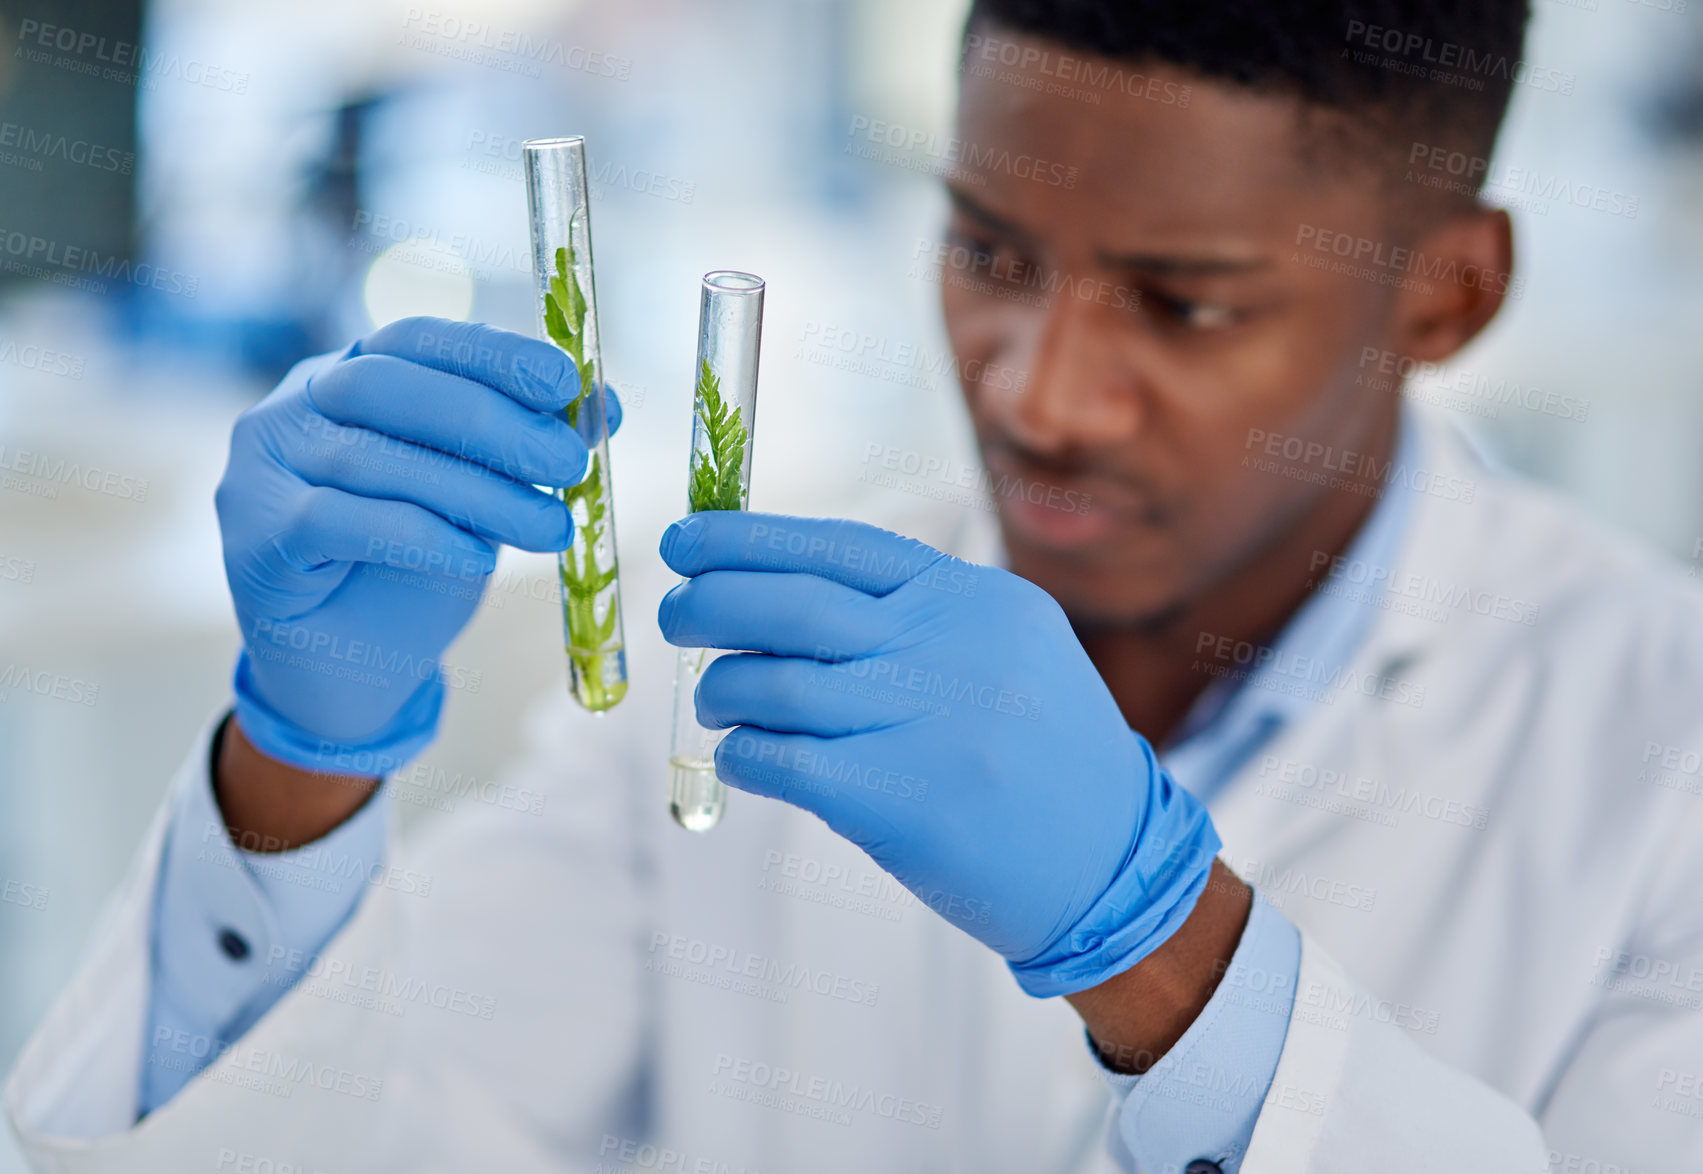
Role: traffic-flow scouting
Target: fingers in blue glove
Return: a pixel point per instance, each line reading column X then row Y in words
column 784, row 614
column 449, row 414
column 611, row 411
column 840, row 780
column 795, row 695
column 529, row 371
column 469, row 495
column 865, row 557
column 330, row 525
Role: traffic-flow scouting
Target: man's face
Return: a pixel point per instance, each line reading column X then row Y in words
column 1126, row 300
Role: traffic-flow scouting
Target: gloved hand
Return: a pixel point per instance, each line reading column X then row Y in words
column 942, row 716
column 360, row 512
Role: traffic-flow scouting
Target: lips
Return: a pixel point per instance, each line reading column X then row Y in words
column 1058, row 511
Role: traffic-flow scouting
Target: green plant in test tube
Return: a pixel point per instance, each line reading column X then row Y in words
column 724, row 408
column 590, row 573
column 718, row 469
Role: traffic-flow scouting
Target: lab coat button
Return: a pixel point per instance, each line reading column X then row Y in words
column 233, row 944
column 1203, row 1166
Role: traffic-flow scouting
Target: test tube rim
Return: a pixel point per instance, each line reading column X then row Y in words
column 733, row 281
column 555, row 143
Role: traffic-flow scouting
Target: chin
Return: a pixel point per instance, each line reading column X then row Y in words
column 1100, row 586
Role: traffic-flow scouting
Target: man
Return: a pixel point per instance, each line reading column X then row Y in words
column 1441, row 726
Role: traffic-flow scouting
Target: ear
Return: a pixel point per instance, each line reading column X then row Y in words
column 1462, row 271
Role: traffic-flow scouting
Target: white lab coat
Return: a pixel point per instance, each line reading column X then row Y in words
column 1469, row 996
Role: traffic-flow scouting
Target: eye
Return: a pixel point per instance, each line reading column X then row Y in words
column 1188, row 314
column 991, row 259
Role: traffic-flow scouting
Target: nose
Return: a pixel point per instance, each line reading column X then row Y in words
column 1082, row 389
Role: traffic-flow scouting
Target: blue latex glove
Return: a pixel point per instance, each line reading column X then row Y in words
column 360, row 512
column 942, row 716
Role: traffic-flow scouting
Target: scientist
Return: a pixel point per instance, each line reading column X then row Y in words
column 1445, row 911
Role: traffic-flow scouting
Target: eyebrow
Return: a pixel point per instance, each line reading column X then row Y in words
column 1154, row 264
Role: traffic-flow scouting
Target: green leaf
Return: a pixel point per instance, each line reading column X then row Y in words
column 714, row 480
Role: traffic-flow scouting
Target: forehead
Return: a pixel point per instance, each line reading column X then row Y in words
column 1159, row 149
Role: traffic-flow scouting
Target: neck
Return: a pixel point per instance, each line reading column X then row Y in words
column 1157, row 670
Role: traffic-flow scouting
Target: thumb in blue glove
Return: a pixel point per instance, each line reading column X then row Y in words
column 942, row 716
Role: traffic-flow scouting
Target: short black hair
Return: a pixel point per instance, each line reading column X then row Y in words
column 1410, row 71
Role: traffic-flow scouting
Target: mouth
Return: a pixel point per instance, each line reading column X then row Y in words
column 1061, row 511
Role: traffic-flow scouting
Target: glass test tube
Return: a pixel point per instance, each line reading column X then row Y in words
column 724, row 417
column 557, row 199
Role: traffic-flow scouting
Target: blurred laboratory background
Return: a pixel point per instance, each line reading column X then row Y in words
column 194, row 194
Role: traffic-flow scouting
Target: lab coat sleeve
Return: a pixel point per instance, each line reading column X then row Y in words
column 481, row 1008
column 1203, row 1097
column 1353, row 1093
column 233, row 930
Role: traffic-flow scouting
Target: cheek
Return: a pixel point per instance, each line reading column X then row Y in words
column 988, row 341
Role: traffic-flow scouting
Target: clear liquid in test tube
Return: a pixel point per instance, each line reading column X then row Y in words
column 558, row 200
column 724, row 417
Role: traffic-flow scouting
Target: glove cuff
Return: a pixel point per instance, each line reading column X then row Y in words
column 1146, row 903
column 408, row 733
